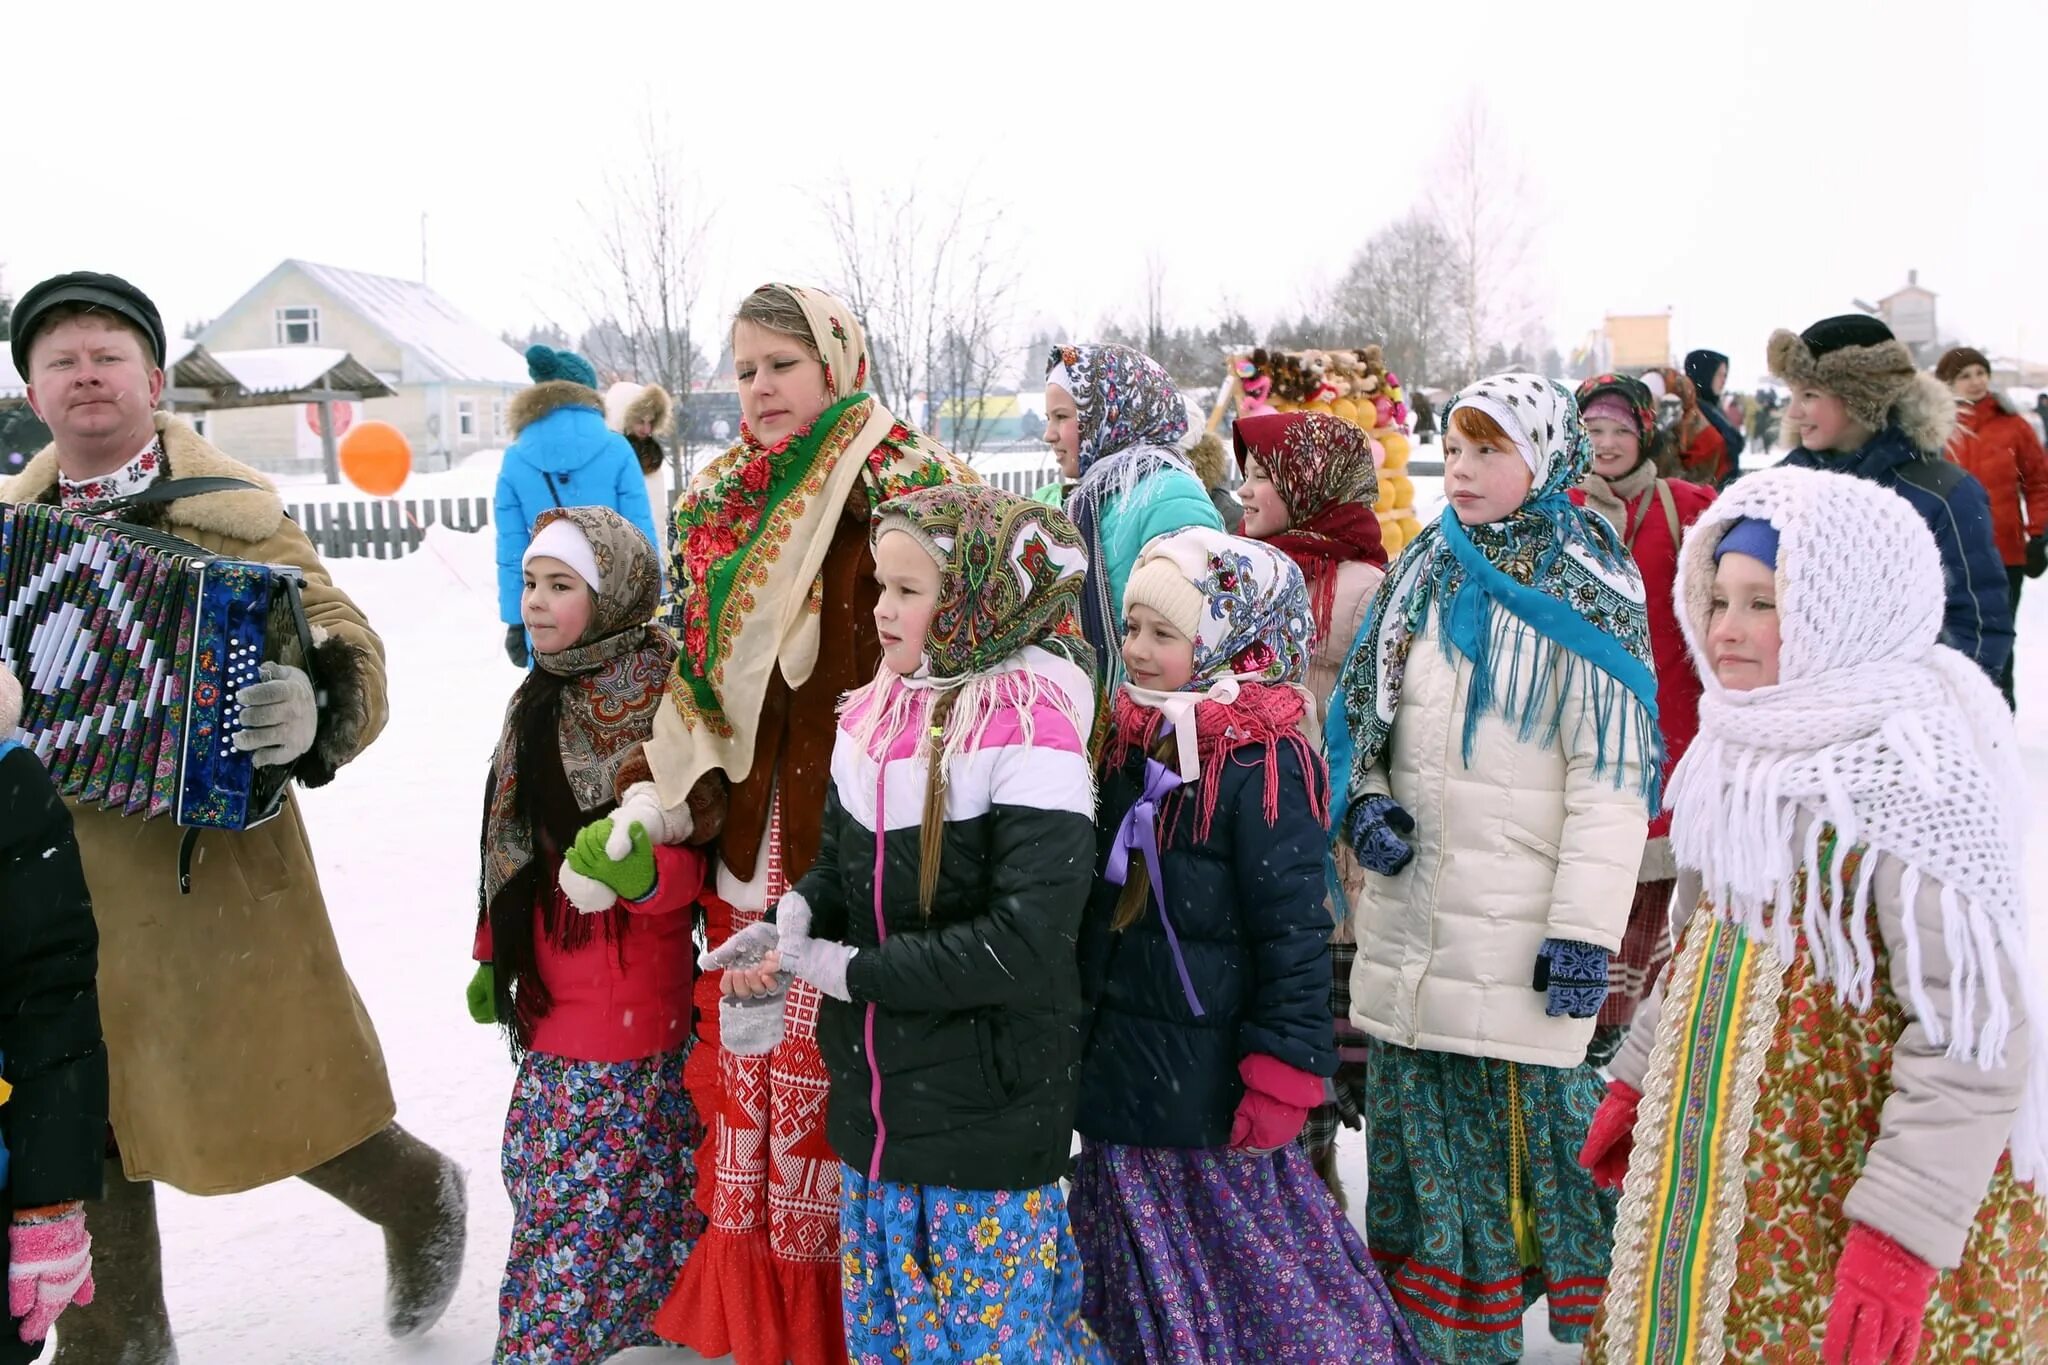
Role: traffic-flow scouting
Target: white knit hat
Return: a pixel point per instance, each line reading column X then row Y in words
column 563, row 539
column 1166, row 583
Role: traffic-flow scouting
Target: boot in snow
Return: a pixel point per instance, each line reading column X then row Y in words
column 126, row 1323
column 419, row 1198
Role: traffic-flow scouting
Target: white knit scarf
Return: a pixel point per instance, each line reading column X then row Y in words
column 1897, row 741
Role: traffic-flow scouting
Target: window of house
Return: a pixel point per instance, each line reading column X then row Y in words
column 465, row 417
column 497, row 417
column 298, row 326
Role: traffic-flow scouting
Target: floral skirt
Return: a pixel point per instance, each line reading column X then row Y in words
column 934, row 1275
column 1219, row 1257
column 599, row 1164
column 1763, row 1099
column 1476, row 1205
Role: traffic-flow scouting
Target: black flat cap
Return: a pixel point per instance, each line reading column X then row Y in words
column 110, row 293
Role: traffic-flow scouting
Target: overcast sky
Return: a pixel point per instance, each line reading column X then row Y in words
column 1748, row 165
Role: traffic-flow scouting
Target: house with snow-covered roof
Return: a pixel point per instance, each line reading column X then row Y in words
column 451, row 377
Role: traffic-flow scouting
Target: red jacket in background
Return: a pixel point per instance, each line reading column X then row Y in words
column 625, row 1000
column 1656, row 556
column 1999, row 447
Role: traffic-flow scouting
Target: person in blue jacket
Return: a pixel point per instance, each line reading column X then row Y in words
column 1859, row 406
column 1114, row 421
column 562, row 455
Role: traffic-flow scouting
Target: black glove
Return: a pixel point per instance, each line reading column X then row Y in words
column 2037, row 556
column 515, row 646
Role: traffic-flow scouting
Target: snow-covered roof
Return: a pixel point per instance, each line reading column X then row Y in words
column 239, row 379
column 431, row 331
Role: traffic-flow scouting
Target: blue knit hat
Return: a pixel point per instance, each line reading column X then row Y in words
column 1752, row 536
column 545, row 362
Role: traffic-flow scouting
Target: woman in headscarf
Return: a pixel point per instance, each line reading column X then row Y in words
column 1114, row 421
column 774, row 617
column 1496, row 736
column 1309, row 487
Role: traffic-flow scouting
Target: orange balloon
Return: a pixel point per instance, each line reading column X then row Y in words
column 376, row 457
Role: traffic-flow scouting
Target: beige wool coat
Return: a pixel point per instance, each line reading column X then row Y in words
column 238, row 1050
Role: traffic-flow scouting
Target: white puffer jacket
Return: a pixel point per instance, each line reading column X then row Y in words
column 1526, row 843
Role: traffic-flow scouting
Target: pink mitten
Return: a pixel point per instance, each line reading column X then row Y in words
column 1881, row 1293
column 1612, row 1136
column 49, row 1266
column 1277, row 1098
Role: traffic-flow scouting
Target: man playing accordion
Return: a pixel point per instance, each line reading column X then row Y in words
column 238, row 1049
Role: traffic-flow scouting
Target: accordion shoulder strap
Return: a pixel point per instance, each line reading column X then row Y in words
column 170, row 490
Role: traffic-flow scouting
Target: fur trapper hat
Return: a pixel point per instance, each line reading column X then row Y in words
column 10, row 704
column 1853, row 356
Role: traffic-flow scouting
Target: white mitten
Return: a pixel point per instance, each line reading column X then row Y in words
column 642, row 805
column 587, row 894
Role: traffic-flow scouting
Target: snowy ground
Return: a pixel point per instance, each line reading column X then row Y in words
column 283, row 1276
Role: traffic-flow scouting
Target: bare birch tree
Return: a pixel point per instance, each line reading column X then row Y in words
column 1482, row 204
column 1401, row 290
column 642, row 277
column 934, row 288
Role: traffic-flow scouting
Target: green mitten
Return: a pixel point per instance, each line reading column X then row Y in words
column 631, row 876
column 482, row 994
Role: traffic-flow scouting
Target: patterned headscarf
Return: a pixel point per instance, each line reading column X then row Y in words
column 1549, row 568
column 1321, row 466
column 1131, row 420
column 1010, row 573
column 1123, row 396
column 750, row 540
column 578, row 718
column 1252, row 648
column 1632, row 392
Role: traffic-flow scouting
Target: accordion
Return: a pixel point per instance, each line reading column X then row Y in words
column 132, row 648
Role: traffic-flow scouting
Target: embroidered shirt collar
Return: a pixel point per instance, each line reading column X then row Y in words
column 138, row 474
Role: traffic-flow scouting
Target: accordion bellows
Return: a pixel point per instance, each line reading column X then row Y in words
column 132, row 648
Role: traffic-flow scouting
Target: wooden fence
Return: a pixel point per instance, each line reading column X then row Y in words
column 384, row 530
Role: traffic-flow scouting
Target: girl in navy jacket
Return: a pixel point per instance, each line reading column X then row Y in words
column 1205, row 962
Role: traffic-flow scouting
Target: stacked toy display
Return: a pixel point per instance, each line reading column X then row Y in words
column 1356, row 386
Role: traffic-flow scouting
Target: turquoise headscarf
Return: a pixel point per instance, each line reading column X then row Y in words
column 1528, row 600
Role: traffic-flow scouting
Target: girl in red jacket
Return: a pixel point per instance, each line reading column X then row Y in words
column 587, row 962
column 1996, row 442
column 1651, row 515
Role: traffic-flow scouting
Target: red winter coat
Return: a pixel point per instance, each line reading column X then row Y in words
column 1999, row 447
column 1656, row 556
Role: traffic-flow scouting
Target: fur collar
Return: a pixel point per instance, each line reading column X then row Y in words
column 1926, row 413
column 550, row 395
column 251, row 515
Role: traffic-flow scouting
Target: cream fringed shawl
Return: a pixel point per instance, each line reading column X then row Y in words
column 1874, row 727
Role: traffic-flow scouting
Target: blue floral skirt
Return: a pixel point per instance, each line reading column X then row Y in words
column 938, row 1276
column 600, row 1163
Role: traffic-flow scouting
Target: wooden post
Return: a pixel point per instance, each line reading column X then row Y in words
column 380, row 536
column 1223, row 397
column 328, row 459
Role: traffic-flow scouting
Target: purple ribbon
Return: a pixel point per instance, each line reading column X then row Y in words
column 1140, row 830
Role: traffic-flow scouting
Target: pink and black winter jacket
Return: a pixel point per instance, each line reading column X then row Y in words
column 955, row 1062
